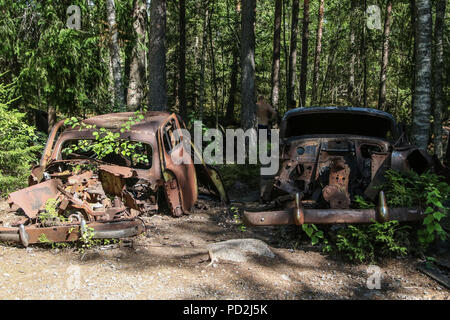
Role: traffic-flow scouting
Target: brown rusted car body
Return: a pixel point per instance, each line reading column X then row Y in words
column 109, row 195
column 329, row 155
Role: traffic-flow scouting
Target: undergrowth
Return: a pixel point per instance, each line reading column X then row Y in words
column 370, row 242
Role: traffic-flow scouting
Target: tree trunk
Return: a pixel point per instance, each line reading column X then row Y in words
column 233, row 86
column 137, row 81
column 157, row 56
column 213, row 67
column 119, row 96
column 276, row 55
column 364, row 52
column 286, row 56
column 182, row 61
column 203, row 61
column 412, row 7
column 351, row 80
column 304, row 63
column 317, row 53
column 229, row 117
column 385, row 58
column 51, row 111
column 422, row 91
column 438, row 71
column 293, row 56
column 248, row 94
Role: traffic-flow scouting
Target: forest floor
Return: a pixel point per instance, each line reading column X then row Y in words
column 166, row 263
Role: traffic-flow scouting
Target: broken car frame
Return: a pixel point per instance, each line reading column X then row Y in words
column 329, row 155
column 108, row 195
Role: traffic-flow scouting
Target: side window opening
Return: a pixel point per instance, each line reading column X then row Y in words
column 170, row 139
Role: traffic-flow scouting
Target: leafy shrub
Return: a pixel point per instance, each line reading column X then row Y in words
column 369, row 242
column 19, row 145
column 426, row 191
column 360, row 243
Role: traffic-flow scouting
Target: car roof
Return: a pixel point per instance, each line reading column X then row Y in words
column 152, row 120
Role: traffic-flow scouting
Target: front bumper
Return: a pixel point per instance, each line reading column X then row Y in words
column 299, row 215
column 67, row 233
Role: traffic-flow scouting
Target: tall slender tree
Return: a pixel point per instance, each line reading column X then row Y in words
column 351, row 80
column 364, row 54
column 317, row 52
column 422, row 88
column 304, row 63
column 276, row 54
column 157, row 56
column 385, row 57
column 119, row 94
column 248, row 93
column 206, row 20
column 137, row 81
column 438, row 70
column 290, row 92
column 182, row 59
column 229, row 116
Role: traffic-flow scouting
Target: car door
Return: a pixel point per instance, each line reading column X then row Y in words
column 177, row 168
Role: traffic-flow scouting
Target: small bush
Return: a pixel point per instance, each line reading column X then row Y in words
column 19, row 145
column 373, row 241
column 367, row 243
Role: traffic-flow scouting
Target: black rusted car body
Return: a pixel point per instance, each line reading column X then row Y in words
column 328, row 156
column 109, row 195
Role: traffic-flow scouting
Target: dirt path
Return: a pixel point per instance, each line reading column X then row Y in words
column 167, row 263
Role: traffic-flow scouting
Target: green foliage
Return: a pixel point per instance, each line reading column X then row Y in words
column 107, row 142
column 313, row 232
column 237, row 218
column 361, row 203
column 368, row 242
column 435, row 211
column 361, row 243
column 53, row 65
column 19, row 144
column 87, row 239
column 426, row 191
column 50, row 216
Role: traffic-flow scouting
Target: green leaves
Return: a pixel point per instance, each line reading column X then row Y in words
column 313, row 232
column 107, row 142
column 426, row 191
column 19, row 144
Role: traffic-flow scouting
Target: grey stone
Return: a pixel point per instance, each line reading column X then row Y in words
column 239, row 250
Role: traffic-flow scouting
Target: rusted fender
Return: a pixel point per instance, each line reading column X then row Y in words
column 33, row 198
column 68, row 233
column 330, row 216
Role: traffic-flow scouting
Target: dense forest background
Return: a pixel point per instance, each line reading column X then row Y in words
column 210, row 59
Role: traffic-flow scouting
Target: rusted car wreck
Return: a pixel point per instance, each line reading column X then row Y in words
column 328, row 156
column 108, row 195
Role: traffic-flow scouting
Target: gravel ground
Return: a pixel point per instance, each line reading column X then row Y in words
column 168, row 262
